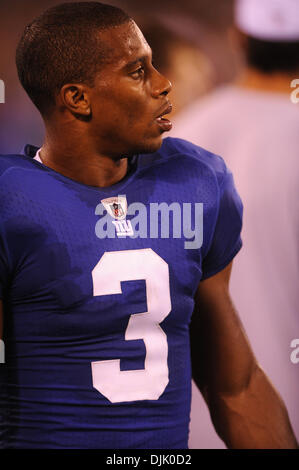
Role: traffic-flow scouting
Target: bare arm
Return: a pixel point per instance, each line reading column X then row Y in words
column 246, row 410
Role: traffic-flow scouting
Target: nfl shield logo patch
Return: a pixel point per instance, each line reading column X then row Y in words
column 116, row 206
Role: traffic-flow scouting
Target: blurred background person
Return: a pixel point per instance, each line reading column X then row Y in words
column 254, row 125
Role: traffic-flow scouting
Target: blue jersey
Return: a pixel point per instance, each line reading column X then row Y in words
column 96, row 310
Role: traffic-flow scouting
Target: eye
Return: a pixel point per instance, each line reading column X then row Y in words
column 138, row 73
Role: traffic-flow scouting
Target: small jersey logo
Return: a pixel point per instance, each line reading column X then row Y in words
column 123, row 228
column 117, row 207
column 117, row 210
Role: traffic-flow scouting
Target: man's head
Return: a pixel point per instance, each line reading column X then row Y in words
column 269, row 34
column 63, row 46
column 90, row 60
column 272, row 57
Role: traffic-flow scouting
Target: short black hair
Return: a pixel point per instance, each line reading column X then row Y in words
column 61, row 46
column 273, row 56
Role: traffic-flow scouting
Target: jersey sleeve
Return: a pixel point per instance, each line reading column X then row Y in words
column 225, row 241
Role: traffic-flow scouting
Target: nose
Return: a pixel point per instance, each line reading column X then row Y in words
column 161, row 86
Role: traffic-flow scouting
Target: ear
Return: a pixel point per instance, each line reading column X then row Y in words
column 76, row 99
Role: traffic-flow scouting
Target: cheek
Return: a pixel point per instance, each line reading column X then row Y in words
column 139, row 115
column 124, row 111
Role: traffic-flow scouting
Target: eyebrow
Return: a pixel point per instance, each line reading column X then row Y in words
column 141, row 59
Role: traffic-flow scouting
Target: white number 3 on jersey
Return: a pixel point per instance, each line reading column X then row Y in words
column 148, row 383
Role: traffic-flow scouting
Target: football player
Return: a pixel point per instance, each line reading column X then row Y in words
column 96, row 329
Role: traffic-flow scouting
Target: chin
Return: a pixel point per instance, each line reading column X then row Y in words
column 150, row 146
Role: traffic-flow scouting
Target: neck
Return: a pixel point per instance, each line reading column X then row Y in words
column 73, row 155
column 276, row 82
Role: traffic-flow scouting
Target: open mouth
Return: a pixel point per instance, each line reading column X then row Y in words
column 163, row 123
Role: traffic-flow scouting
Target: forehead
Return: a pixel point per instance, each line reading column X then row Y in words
column 124, row 44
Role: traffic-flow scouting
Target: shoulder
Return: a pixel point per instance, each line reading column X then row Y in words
column 19, row 175
column 6, row 162
column 15, row 161
column 186, row 156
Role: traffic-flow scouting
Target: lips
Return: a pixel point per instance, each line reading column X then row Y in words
column 164, row 124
